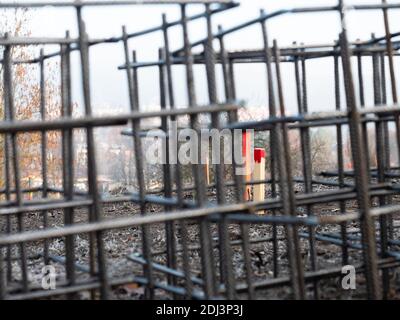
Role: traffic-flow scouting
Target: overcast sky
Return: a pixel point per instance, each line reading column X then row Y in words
column 109, row 84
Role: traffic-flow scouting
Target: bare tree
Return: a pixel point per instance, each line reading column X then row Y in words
column 26, row 92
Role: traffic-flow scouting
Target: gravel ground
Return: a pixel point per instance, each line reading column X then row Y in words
column 123, row 242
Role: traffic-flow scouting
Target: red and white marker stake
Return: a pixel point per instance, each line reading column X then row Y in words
column 259, row 175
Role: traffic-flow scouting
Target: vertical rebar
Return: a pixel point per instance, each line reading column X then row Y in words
column 10, row 111
column 95, row 209
column 272, row 139
column 67, row 159
column 287, row 191
column 340, row 161
column 44, row 151
column 205, row 235
column 177, row 169
column 302, row 97
column 167, row 177
column 360, row 169
column 226, row 268
column 138, row 151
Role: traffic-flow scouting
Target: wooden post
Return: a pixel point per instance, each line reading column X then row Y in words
column 30, row 196
column 207, row 170
column 259, row 175
column 247, row 154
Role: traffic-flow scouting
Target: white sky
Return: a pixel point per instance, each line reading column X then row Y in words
column 109, row 85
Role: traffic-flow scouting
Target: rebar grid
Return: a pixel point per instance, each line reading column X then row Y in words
column 363, row 198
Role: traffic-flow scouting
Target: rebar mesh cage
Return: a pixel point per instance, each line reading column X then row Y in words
column 204, row 239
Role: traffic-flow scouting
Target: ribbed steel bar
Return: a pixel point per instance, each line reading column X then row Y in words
column 68, row 160
column 225, row 255
column 287, row 189
column 10, row 112
column 368, row 228
column 134, row 105
column 177, row 168
column 95, row 212
column 86, row 3
column 302, row 104
column 207, row 260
